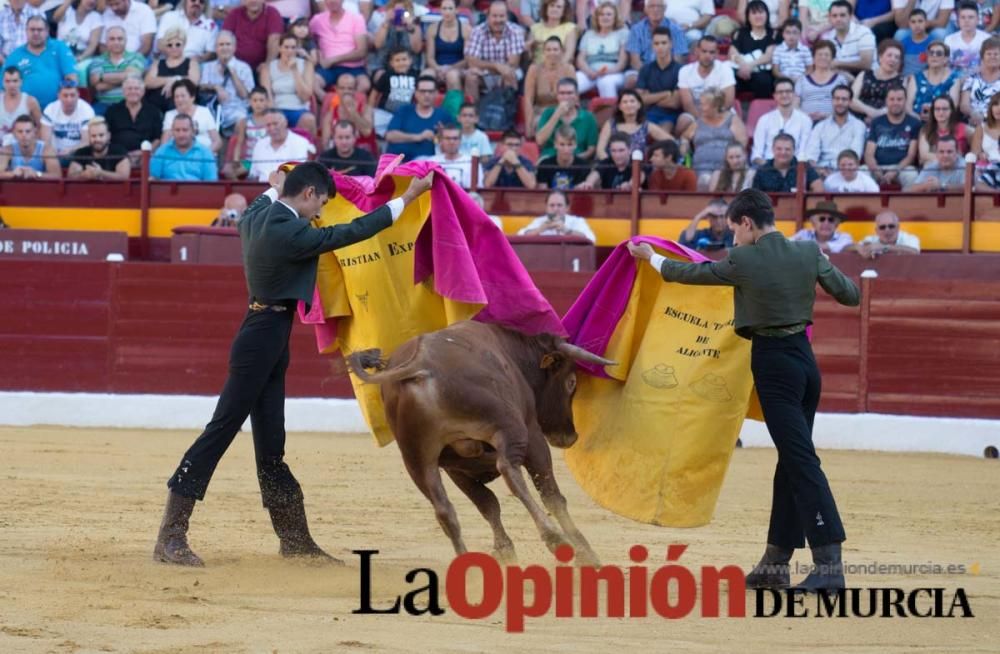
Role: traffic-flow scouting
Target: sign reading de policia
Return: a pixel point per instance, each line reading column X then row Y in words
column 670, row 591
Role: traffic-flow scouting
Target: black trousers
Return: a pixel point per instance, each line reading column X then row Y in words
column 788, row 384
column 258, row 360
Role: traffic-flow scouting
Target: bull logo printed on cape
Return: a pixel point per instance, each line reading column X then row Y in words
column 363, row 299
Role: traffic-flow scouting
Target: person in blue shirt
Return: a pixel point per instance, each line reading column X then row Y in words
column 44, row 63
column 413, row 127
column 640, row 37
column 182, row 158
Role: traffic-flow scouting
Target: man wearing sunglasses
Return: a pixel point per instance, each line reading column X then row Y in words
column 825, row 217
column 887, row 239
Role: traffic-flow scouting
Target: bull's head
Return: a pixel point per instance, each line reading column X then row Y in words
column 555, row 402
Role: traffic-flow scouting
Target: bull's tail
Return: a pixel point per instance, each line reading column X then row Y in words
column 359, row 362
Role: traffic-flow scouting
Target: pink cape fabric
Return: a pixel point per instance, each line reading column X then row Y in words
column 469, row 258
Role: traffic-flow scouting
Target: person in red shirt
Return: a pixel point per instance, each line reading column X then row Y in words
column 666, row 173
column 258, row 27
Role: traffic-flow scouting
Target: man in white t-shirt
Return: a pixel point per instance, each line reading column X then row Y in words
column 938, row 16
column 699, row 75
column 280, row 146
column 556, row 222
column 887, row 239
column 66, row 120
column 138, row 20
column 848, row 179
column 966, row 42
column 692, row 16
column 855, row 42
column 783, row 119
column 456, row 165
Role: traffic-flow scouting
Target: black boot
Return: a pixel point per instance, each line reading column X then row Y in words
column 772, row 571
column 171, row 542
column 290, row 525
column 828, row 572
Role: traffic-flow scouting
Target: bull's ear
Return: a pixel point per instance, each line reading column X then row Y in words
column 550, row 359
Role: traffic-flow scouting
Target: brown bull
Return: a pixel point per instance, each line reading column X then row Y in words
column 479, row 401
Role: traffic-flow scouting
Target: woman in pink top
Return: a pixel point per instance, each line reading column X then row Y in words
column 342, row 38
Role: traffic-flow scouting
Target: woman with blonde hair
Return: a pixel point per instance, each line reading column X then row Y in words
column 711, row 135
column 601, row 58
column 556, row 19
column 735, row 175
column 541, row 81
column 172, row 66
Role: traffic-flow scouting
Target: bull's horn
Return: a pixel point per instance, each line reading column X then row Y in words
column 580, row 354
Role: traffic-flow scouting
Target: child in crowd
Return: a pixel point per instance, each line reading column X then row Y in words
column 915, row 44
column 791, row 58
column 307, row 44
column 248, row 131
column 473, row 138
column 392, row 88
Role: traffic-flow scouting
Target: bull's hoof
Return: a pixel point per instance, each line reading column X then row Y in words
column 587, row 559
column 505, row 555
column 309, row 551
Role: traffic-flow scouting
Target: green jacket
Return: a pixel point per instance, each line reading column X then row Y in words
column 774, row 279
column 280, row 250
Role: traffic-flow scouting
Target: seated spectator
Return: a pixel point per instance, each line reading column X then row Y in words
column 666, row 171
column 393, row 88
column 640, row 36
column 444, row 53
column 939, row 79
column 870, row 87
column 348, row 104
column 199, row 28
column 493, row 52
column 396, row 26
column 205, row 129
column 307, row 50
column 944, row 121
column 411, row 130
column 783, row 119
column 734, row 175
column 938, row 14
column 813, row 90
column 602, row 60
column 564, row 170
column 343, row 43
column 614, row 172
column 79, row 25
column 108, row 71
column 791, row 57
column 258, row 27
column 556, row 19
column 345, row 157
column 556, row 222
column 230, row 80
column 510, row 169
column 946, row 173
column 779, row 174
column 855, row 42
column 182, row 158
column 825, row 217
column 711, row 133
column 102, row 159
column 456, row 165
column 979, row 88
column 231, row 212
column 280, row 145
column 568, row 113
column 966, row 42
column 14, row 17
column 630, row 119
column 541, row 81
column 44, row 63
column 66, row 120
column 716, row 236
column 289, row 80
column 751, row 52
column 474, row 140
column 831, row 136
column 986, row 139
column 848, row 179
column 692, row 16
column 887, row 239
column 28, row 157
column 699, row 75
column 658, row 80
column 138, row 21
column 815, row 16
column 15, row 103
column 915, row 44
column 171, row 67
column 891, row 145
column 132, row 121
column 246, row 134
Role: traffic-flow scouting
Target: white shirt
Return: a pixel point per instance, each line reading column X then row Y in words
column 903, row 238
column 266, row 158
column 858, row 39
column 837, row 243
column 798, row 126
column 68, row 130
column 77, row 36
column 687, row 12
column 139, row 21
column 458, row 169
column 863, row 183
column 573, row 223
column 204, row 122
column 201, row 34
column 965, row 55
column 930, row 7
column 721, row 76
column 828, row 139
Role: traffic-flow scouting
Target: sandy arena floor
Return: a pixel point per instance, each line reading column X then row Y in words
column 81, row 509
